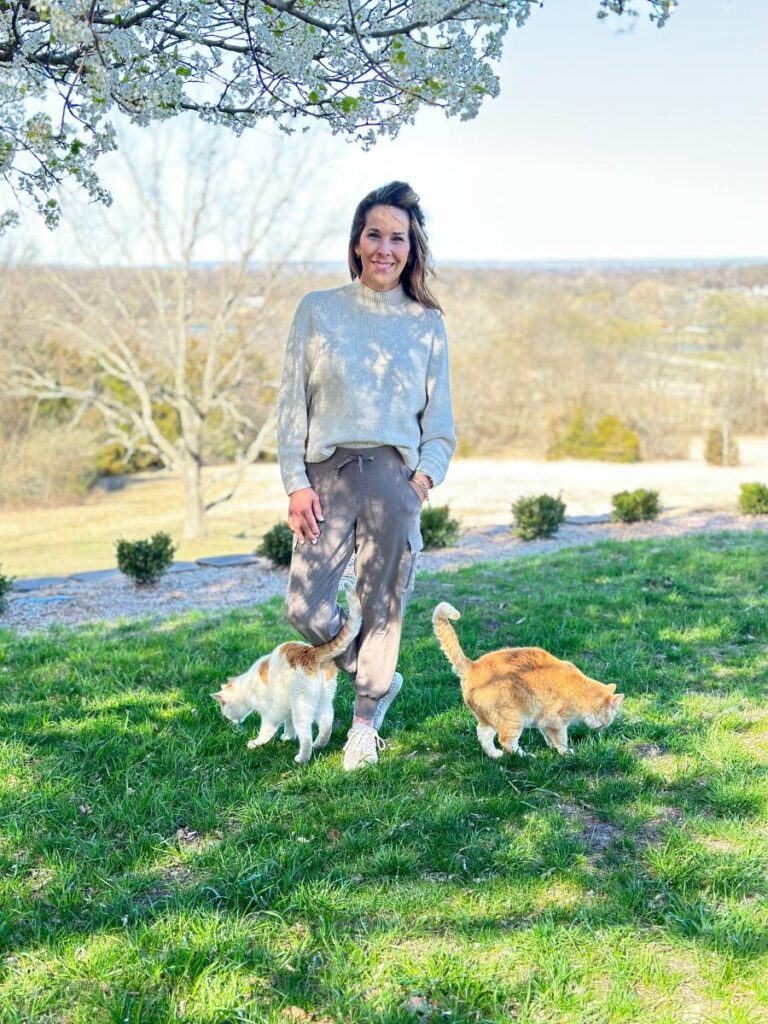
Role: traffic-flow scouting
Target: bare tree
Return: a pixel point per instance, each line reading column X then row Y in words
column 168, row 353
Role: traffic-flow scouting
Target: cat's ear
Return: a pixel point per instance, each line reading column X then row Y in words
column 218, row 697
column 617, row 701
column 611, row 687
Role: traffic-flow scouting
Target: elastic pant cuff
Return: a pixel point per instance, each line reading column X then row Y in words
column 365, row 707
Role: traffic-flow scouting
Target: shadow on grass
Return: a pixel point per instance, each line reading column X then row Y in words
column 127, row 802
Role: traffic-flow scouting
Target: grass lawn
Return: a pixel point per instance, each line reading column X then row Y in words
column 152, row 869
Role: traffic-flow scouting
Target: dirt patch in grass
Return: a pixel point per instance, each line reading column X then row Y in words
column 719, row 845
column 596, row 835
column 650, row 832
column 189, row 839
column 649, row 751
column 297, row 1015
column 178, row 873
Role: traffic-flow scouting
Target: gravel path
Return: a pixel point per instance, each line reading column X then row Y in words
column 116, row 599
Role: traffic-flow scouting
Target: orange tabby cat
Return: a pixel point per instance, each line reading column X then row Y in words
column 517, row 687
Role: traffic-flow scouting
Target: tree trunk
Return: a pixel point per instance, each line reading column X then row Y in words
column 194, row 509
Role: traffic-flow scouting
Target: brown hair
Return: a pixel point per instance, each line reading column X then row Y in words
column 419, row 265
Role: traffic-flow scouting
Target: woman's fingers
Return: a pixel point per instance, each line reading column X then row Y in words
column 304, row 526
column 312, row 530
column 303, row 509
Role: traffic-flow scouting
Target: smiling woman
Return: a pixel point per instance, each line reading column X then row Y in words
column 365, row 429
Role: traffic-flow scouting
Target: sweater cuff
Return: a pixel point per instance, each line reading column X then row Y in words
column 431, row 469
column 295, row 483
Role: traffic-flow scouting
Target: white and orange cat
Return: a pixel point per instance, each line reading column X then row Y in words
column 518, row 687
column 292, row 687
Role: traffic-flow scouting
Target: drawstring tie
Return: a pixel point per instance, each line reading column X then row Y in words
column 359, row 459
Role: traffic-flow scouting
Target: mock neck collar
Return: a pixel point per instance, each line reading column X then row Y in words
column 394, row 297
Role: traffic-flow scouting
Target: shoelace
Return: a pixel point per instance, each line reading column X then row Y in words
column 359, row 735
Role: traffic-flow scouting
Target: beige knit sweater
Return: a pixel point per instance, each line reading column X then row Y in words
column 364, row 368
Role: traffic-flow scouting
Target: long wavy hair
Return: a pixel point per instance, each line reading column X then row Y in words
column 419, row 265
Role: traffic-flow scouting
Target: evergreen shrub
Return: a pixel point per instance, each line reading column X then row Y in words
column 438, row 529
column 538, row 517
column 634, row 506
column 753, row 500
column 277, row 544
column 145, row 561
column 5, row 586
column 609, row 440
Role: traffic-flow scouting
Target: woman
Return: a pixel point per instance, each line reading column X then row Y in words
column 365, row 429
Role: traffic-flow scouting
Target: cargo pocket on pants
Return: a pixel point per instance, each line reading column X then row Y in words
column 407, row 577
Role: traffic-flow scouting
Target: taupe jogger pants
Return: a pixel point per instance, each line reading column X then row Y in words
column 371, row 510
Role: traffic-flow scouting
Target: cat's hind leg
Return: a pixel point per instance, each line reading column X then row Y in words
column 557, row 737
column 324, row 714
column 324, row 725
column 303, row 718
column 509, row 736
column 486, row 735
column 266, row 732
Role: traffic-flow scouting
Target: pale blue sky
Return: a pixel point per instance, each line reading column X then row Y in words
column 604, row 144
column 648, row 143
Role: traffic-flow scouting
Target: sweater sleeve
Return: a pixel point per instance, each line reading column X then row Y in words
column 292, row 402
column 438, row 439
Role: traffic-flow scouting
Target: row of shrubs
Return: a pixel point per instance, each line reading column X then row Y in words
column 533, row 517
column 542, row 516
column 145, row 561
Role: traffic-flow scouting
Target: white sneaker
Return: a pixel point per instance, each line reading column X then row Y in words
column 362, row 746
column 384, row 703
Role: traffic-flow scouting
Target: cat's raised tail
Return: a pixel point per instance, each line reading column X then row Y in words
column 447, row 638
column 347, row 633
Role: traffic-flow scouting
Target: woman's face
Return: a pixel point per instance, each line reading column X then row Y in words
column 383, row 247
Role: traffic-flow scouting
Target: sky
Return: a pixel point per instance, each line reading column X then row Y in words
column 610, row 140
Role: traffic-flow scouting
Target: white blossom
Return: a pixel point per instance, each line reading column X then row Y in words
column 365, row 67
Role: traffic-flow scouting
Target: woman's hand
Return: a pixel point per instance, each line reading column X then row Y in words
column 421, row 483
column 304, row 513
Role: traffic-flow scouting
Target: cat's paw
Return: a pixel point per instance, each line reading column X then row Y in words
column 255, row 742
column 302, row 758
column 494, row 752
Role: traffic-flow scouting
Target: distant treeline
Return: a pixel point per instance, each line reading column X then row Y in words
column 632, row 362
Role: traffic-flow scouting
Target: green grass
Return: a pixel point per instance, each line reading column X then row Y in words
column 152, row 869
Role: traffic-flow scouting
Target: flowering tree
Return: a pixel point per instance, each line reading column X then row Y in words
column 364, row 67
